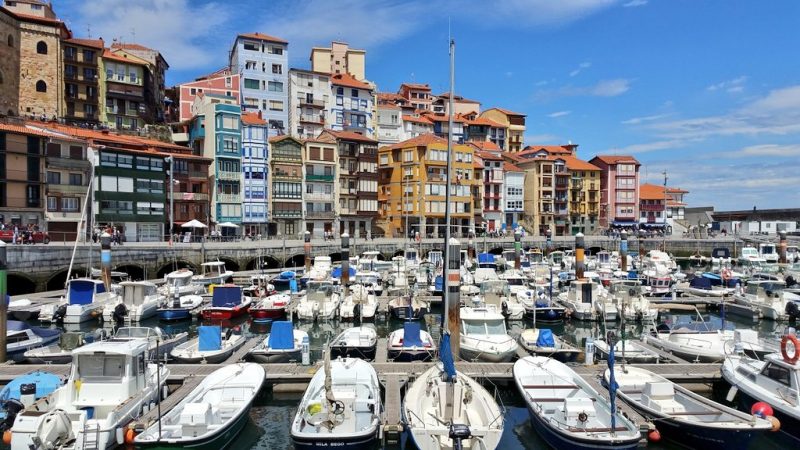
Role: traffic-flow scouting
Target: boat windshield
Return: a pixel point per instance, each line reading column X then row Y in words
column 495, row 327
column 133, row 332
column 99, row 367
column 177, row 281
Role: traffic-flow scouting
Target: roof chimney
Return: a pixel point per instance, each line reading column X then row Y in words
column 259, row 114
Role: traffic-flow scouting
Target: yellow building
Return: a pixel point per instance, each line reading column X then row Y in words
column 515, row 123
column 411, row 187
column 339, row 58
column 584, row 196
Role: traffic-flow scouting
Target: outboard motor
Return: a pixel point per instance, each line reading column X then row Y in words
column 58, row 316
column 792, row 310
column 27, row 394
column 12, row 407
column 790, row 281
column 459, row 432
column 357, row 312
column 120, row 311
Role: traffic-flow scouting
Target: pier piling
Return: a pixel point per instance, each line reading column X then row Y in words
column 579, row 248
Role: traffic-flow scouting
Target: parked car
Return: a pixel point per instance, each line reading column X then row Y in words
column 25, row 237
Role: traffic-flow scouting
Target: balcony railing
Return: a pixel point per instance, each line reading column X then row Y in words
column 315, row 177
column 229, row 176
column 320, row 215
column 67, row 188
column 319, row 196
column 651, row 207
column 229, row 198
column 198, row 174
column 312, row 118
column 190, row 196
column 317, row 103
column 287, row 214
column 56, row 162
column 576, row 184
column 561, row 212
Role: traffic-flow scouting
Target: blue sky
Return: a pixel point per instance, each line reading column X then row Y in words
column 706, row 90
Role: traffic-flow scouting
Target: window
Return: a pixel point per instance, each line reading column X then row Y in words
column 250, row 83
column 10, row 40
column 250, row 65
column 777, row 373
column 277, row 69
column 88, row 56
column 229, row 122
column 354, row 93
column 76, row 179
column 339, row 91
column 125, row 161
column 69, row 204
column 276, row 50
column 41, row 47
column 53, row 178
column 41, row 86
column 132, row 76
column 275, row 86
column 275, row 105
column 192, row 91
column 91, row 91
column 227, row 82
column 52, row 203
column 252, row 46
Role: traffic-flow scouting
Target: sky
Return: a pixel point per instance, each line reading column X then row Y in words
column 704, row 90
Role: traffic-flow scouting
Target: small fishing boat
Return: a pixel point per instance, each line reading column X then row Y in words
column 160, row 344
column 539, row 306
column 84, row 301
column 407, row 308
column 283, row 344
column 271, row 307
column 213, row 272
column 341, row 407
column 355, row 342
column 211, row 346
column 22, row 392
column 542, row 342
column 184, row 307
column 708, row 285
column 139, row 301
column 21, row 337
column 684, row 417
column 768, row 299
column 631, row 302
column 626, row 350
column 320, row 301
column 583, row 298
column 566, row 411
column 360, row 304
column 484, row 337
column 227, row 302
column 371, row 280
column 410, row 343
column 210, row 416
column 61, row 353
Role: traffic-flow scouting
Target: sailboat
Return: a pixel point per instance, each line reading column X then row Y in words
column 444, row 409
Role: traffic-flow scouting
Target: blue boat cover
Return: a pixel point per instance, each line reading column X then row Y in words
column 293, row 285
column 632, row 275
column 700, row 283
column 721, row 252
column 446, row 355
column 485, row 258
column 209, row 337
column 16, row 325
column 545, row 338
column 45, row 383
column 281, row 337
column 287, row 274
column 411, row 337
column 438, row 284
column 337, row 272
column 82, row 291
column 226, row 296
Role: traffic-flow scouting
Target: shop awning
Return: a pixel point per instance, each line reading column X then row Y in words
column 618, row 223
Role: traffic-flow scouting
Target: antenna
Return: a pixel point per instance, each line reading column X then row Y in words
column 133, row 34
column 89, row 30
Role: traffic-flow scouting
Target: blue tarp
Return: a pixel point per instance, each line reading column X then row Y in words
column 287, row 274
column 438, row 284
column 411, row 336
column 45, row 384
column 293, row 286
column 226, row 296
column 209, row 337
column 337, row 272
column 545, row 338
column 281, row 337
column 721, row 252
column 81, row 292
column 700, row 283
column 486, row 258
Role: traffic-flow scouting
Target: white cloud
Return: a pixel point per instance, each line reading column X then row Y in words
column 610, row 88
column 638, row 120
column 541, row 83
column 635, row 3
column 603, row 88
column 581, row 66
column 732, row 86
column 559, row 114
column 764, row 150
column 647, row 147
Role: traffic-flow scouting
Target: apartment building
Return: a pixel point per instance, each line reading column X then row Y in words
column 514, row 195
column 255, row 175
column 676, row 210
column 286, row 173
column 652, row 207
column 222, row 82
column 584, row 196
column 461, row 105
column 22, row 177
column 619, row 190
column 493, row 181
column 123, row 90
column 353, row 105
column 546, row 188
column 309, row 103
column 155, row 76
column 82, row 81
column 441, row 126
column 481, row 129
column 339, row 58
column 68, row 173
column 418, row 95
column 514, row 122
column 321, row 194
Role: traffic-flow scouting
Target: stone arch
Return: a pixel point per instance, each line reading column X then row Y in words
column 263, row 262
column 19, row 283
column 59, row 279
column 41, row 47
column 175, row 265
column 296, row 261
column 230, row 264
column 134, row 271
column 41, row 86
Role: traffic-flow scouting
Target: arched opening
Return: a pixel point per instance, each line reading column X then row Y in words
column 336, row 257
column 230, row 264
column 41, row 86
column 263, row 262
column 296, row 261
column 134, row 271
column 59, row 279
column 19, row 284
column 175, row 265
column 496, row 251
column 41, row 47
column 595, row 250
column 10, row 40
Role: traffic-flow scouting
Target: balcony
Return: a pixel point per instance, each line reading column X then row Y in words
column 316, row 177
column 651, row 208
column 561, row 212
column 229, row 198
column 198, row 174
column 312, row 103
column 66, row 163
column 576, row 184
column 190, row 196
column 67, row 188
column 312, row 118
column 319, row 196
column 229, row 176
column 320, row 215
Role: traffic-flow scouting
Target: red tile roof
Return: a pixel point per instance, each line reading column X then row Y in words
column 252, row 119
column 94, row 43
column 508, row 167
column 651, row 192
column 351, row 136
column 423, row 140
column 263, row 37
column 282, row 137
column 32, row 131
column 676, row 190
column 484, row 121
column 508, row 112
column 616, row 159
column 345, row 79
column 550, row 149
column 574, row 163
column 489, row 155
column 476, row 164
column 420, row 119
column 130, row 59
column 486, row 146
column 457, row 98
column 388, row 106
column 131, row 46
column 433, row 117
column 32, row 18
column 418, row 86
column 391, row 97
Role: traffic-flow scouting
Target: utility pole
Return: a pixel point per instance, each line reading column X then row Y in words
column 664, row 241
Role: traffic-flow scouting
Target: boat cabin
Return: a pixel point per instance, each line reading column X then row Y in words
column 411, row 255
column 584, row 291
column 778, row 375
column 83, row 291
column 482, row 321
column 556, row 258
column 178, row 278
column 213, row 269
column 135, row 292
column 319, row 290
column 768, row 252
column 435, row 257
column 535, row 256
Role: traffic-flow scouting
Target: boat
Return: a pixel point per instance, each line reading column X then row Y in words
column 283, row 344
column 750, row 259
column 630, row 301
column 210, row 416
column 542, row 342
column 407, row 307
column 61, row 353
column 410, row 343
column 769, row 300
column 21, row 337
column 656, row 271
column 341, row 407
column 227, row 302
column 287, row 282
column 626, row 350
column 84, row 301
column 566, row 411
column 271, row 307
column 139, row 301
column 708, row 285
column 320, row 301
column 720, row 258
column 211, row 346
column 768, row 252
column 22, row 392
column 160, row 344
column 360, row 304
column 184, row 307
column 772, row 380
column 371, row 280
column 179, row 283
column 213, row 272
column 109, row 386
column 484, row 337
column 684, row 417
column 581, row 299
column 320, row 270
column 497, row 294
column 355, row 342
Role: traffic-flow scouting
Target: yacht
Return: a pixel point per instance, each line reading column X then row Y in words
column 139, row 301
column 583, row 300
column 179, row 283
column 484, row 336
column 214, row 272
column 769, row 253
column 630, row 301
column 371, row 280
column 84, row 301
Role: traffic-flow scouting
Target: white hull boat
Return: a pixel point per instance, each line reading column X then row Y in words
column 139, row 301
column 484, row 337
column 210, row 346
column 359, row 305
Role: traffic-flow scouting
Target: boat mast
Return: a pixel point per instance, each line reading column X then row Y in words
column 446, row 253
column 86, row 222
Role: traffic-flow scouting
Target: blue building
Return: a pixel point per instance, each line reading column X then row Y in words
column 262, row 62
column 353, row 105
column 255, row 154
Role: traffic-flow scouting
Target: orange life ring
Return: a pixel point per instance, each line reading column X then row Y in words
column 795, row 343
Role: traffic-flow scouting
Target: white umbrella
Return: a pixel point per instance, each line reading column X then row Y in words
column 194, row 223
column 228, row 225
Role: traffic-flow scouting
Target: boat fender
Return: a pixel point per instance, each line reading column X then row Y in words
column 130, row 435
column 654, row 435
column 7, row 437
column 164, row 392
column 776, row 424
column 732, row 394
column 119, row 434
column 795, row 346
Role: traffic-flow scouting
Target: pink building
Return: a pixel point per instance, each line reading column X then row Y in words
column 221, row 82
column 619, row 190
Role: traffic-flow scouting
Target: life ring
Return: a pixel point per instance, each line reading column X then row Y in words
column 790, row 359
column 726, row 274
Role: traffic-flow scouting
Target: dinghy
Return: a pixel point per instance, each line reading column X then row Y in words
column 283, row 344
column 210, row 346
column 341, row 407
column 684, row 417
column 185, row 307
column 566, row 411
column 22, row 392
column 411, row 344
column 212, row 415
column 542, row 342
column 355, row 342
column 627, row 350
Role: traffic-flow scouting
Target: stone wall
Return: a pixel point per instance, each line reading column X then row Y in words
column 35, row 67
column 9, row 65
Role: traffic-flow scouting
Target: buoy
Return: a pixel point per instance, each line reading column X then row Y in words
column 7, row 437
column 761, row 409
column 654, row 435
column 130, row 435
column 776, row 424
column 790, row 358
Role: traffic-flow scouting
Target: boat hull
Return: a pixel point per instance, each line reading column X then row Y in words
column 469, row 354
column 789, row 425
column 550, row 314
column 224, row 313
column 401, row 313
column 266, row 314
column 276, row 358
column 410, row 355
column 174, row 314
column 364, row 442
column 561, row 441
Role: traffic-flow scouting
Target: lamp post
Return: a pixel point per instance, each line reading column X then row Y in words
column 664, row 241
column 170, row 160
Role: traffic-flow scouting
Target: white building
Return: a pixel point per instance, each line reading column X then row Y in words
column 353, row 106
column 390, row 124
column 514, row 194
column 309, row 103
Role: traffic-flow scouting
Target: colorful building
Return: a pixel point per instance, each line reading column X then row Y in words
column 286, row 173
column 493, row 181
column 321, row 194
column 82, row 80
column 676, row 210
column 481, row 129
column 461, row 105
column 514, row 195
column 155, row 76
column 547, row 188
column 353, row 105
column 619, row 190
column 418, row 95
column 123, row 90
column 255, row 171
column 68, row 173
column 22, row 175
column 514, row 122
column 652, row 206
column 584, row 195
column 309, row 103
column 221, row 82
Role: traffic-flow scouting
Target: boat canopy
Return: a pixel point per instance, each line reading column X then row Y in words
column 337, row 272
column 81, row 292
column 701, row 283
column 721, row 252
column 411, row 337
column 486, row 258
column 209, row 337
column 226, row 296
column 545, row 338
column 281, row 337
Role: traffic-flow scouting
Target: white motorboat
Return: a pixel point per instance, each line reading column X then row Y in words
column 355, row 342
column 21, row 337
column 769, row 252
column 484, row 337
column 341, row 407
column 684, row 417
column 84, row 301
column 497, row 293
column 139, row 301
column 269, row 307
column 566, row 411
column 371, row 280
column 360, row 304
column 769, row 299
column 410, row 343
column 181, row 308
column 582, row 299
column 211, row 346
column 320, row 270
column 626, row 350
column 109, row 386
column 283, row 344
column 319, row 302
column 630, row 301
column 160, row 344
column 542, row 342
column 750, row 259
column 179, row 282
column 212, row 414
column 407, row 307
column 708, row 285
column 214, row 272
column 60, row 353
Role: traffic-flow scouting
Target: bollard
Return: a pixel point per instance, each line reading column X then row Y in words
column 307, row 249
column 453, row 273
column 579, row 265
column 3, row 302
column 306, row 351
column 623, row 251
column 105, row 259
column 588, row 351
column 345, row 261
column 517, row 249
column 782, row 247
